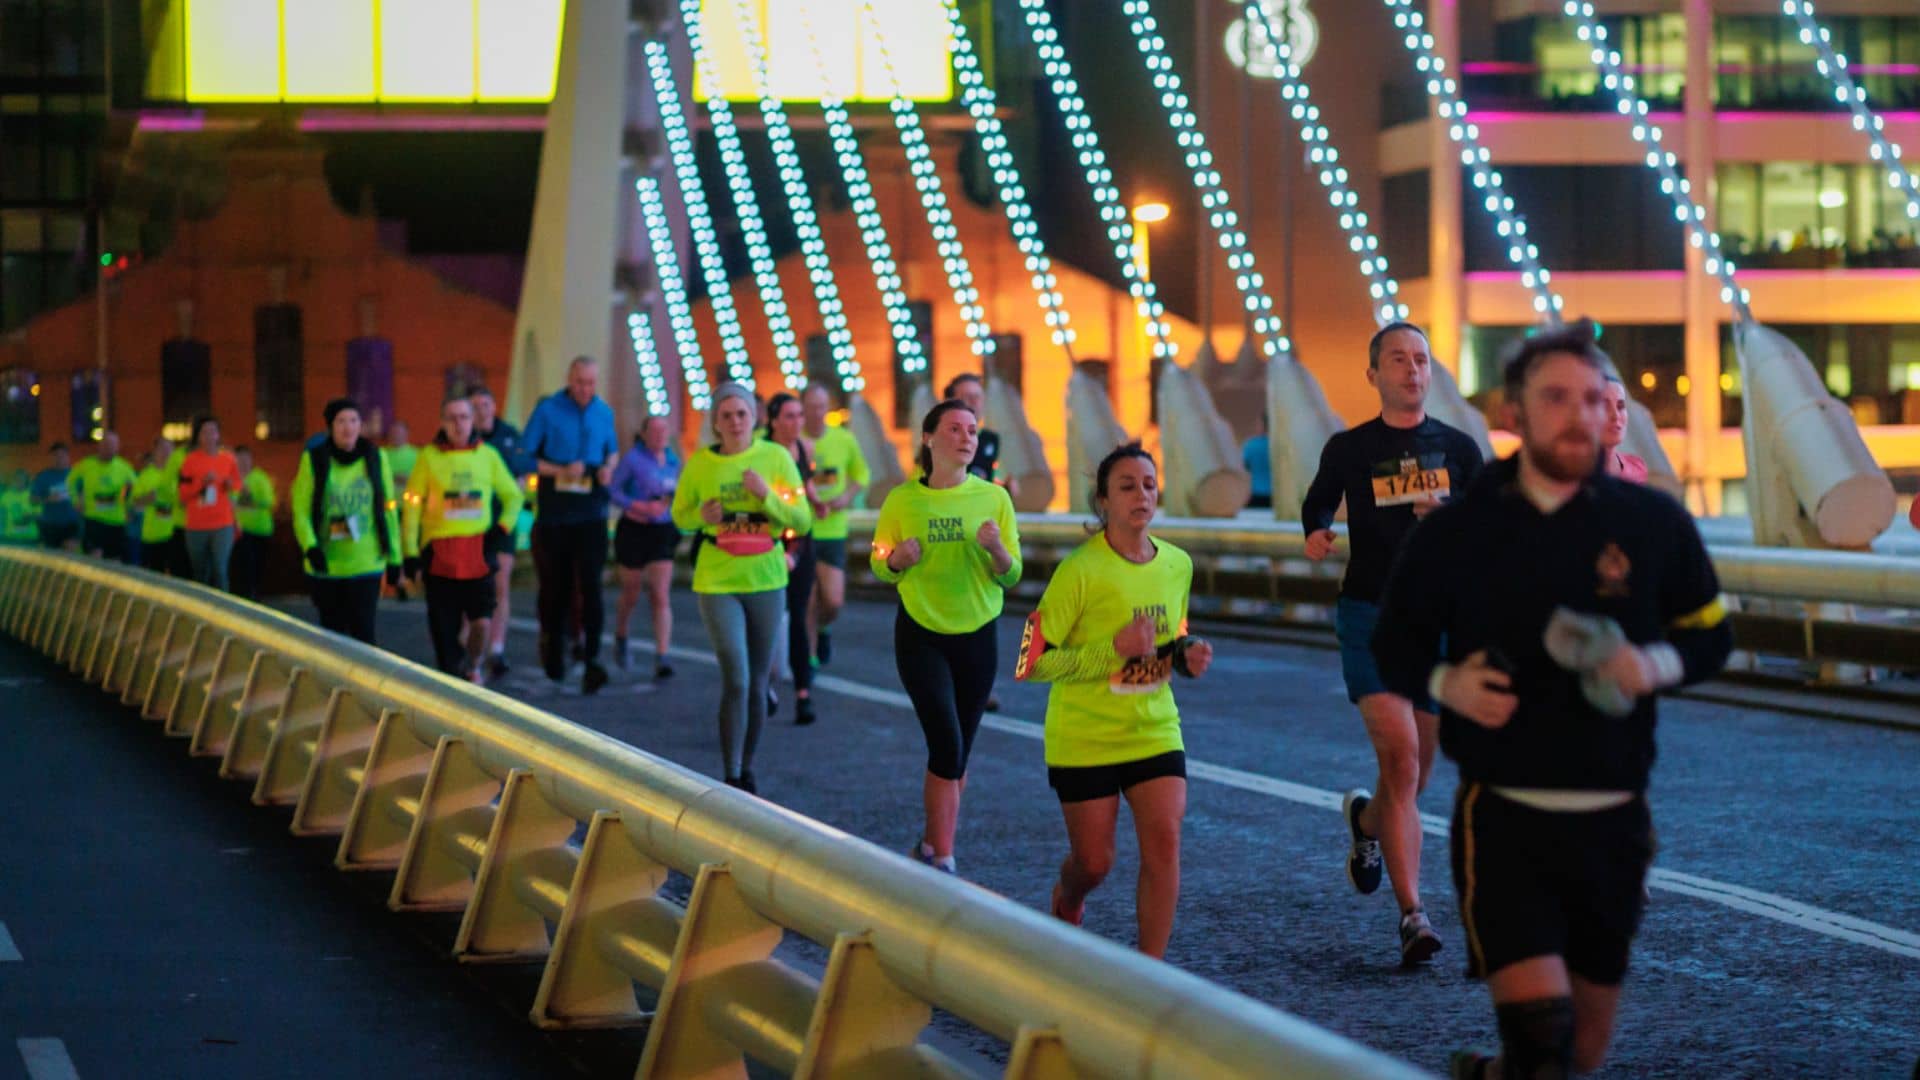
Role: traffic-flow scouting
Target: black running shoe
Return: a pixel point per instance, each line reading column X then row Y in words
column 993, row 703
column 663, row 670
column 594, row 678
column 823, row 648
column 803, row 711
column 497, row 668
column 746, row 783
column 1418, row 942
column 1363, row 861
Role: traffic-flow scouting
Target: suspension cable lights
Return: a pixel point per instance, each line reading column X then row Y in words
column 866, row 210
column 1677, row 188
column 653, row 382
column 981, row 103
column 1847, row 92
column 933, row 200
column 1093, row 161
column 666, row 267
column 733, row 158
column 1326, row 160
column 1511, row 226
column 806, row 221
column 706, row 240
column 1213, row 195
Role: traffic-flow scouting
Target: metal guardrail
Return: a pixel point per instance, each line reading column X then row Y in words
column 474, row 801
column 1247, row 560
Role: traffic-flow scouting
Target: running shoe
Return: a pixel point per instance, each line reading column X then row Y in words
column 922, row 852
column 746, row 782
column 663, row 670
column 1418, row 942
column 620, row 652
column 1363, row 862
column 497, row 667
column 993, row 703
column 593, row 678
column 803, row 711
column 773, row 701
column 823, row 648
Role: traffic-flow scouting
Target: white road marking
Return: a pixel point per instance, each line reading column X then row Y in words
column 46, row 1059
column 9, row 952
column 1766, row 905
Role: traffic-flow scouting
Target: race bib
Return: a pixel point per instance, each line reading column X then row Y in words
column 1404, row 482
column 210, row 495
column 1143, row 674
column 744, row 534
column 571, row 486
column 104, row 501
column 345, row 530
column 464, row 506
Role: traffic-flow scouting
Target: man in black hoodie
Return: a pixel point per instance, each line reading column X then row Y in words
column 1560, row 601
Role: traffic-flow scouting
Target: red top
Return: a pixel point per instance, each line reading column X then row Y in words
column 207, row 484
column 1627, row 467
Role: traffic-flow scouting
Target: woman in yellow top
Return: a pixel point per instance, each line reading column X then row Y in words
column 1110, row 634
column 949, row 541
column 740, row 494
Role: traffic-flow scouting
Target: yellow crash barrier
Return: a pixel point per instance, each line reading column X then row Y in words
column 473, row 802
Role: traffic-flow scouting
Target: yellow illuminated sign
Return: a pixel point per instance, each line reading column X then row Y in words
column 915, row 33
column 359, row 51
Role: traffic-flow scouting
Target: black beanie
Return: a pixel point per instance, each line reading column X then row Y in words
column 337, row 406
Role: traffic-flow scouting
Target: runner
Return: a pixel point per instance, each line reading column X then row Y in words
column 971, row 390
column 59, row 522
column 342, row 504
column 949, row 541
column 1625, row 466
column 739, row 494
column 1561, row 600
column 645, row 539
column 154, row 492
column 1391, row 471
column 460, row 490
column 253, row 515
column 402, row 455
column 206, row 479
column 18, row 527
column 1110, row 633
column 99, row 486
column 571, row 435
column 501, row 544
column 784, row 424
column 840, row 476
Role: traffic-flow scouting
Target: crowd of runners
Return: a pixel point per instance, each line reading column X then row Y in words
column 1518, row 615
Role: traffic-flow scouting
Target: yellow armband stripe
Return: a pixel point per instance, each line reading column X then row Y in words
column 1706, row 618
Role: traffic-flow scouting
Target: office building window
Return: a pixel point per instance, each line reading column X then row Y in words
column 279, row 373
column 1581, row 217
column 1812, row 215
column 1650, row 358
column 186, row 386
column 19, row 407
column 1540, row 62
column 1764, row 65
column 1873, row 368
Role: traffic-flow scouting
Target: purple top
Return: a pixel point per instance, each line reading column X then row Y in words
column 641, row 478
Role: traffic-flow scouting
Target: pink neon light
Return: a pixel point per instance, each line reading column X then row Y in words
column 329, row 120
column 172, row 122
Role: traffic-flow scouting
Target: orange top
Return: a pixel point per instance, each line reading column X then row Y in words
column 1913, row 514
column 207, row 484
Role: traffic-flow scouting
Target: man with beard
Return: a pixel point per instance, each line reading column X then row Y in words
column 1564, row 599
column 1391, row 471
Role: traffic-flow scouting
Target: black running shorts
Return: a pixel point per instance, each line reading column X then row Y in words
column 1088, row 782
column 1537, row 882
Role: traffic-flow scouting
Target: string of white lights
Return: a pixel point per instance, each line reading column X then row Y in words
column 706, row 240
column 1093, row 161
column 653, row 383
column 980, row 101
column 1213, row 195
column 1326, row 159
column 1690, row 214
column 733, row 158
column 806, row 222
column 933, row 199
column 1847, row 92
column 866, row 212
column 666, row 268
column 1508, row 222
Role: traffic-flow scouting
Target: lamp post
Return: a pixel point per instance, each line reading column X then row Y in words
column 1150, row 212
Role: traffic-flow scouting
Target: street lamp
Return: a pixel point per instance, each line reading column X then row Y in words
column 1145, row 214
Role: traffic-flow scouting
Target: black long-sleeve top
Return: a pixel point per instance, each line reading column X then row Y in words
column 1487, row 571
column 1381, row 471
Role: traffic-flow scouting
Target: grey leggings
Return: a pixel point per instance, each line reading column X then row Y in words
column 742, row 627
column 208, row 551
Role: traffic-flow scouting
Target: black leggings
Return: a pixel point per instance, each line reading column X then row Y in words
column 569, row 559
column 949, row 677
column 347, row 605
column 799, row 593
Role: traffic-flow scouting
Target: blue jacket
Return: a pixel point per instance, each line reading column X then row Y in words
column 562, row 432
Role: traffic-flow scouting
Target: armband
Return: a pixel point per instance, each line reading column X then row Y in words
column 1179, row 647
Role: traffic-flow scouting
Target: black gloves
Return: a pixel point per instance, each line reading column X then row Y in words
column 317, row 561
column 393, row 576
